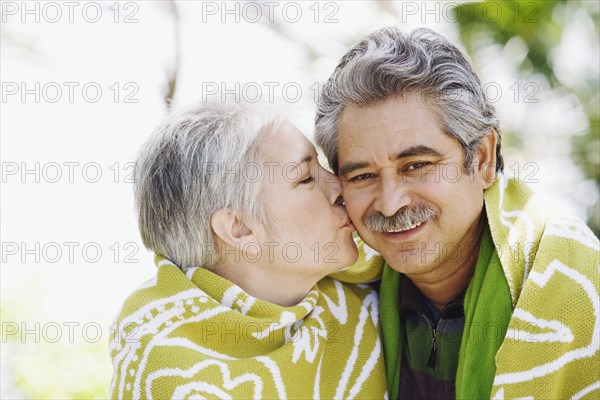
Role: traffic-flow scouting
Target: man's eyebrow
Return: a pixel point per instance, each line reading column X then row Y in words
column 350, row 167
column 413, row 151
column 419, row 150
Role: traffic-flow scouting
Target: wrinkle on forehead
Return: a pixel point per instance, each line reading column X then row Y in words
column 372, row 129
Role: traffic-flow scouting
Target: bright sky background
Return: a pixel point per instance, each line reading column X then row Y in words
column 104, row 136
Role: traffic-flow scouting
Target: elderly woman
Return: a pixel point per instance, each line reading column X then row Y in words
column 246, row 225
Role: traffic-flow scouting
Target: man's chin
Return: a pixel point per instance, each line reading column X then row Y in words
column 406, row 262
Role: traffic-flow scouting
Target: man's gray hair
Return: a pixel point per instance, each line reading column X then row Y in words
column 388, row 64
column 199, row 160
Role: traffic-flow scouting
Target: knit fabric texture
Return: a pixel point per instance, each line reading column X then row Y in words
column 194, row 334
column 548, row 290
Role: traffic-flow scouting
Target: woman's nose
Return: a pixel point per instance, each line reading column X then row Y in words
column 332, row 187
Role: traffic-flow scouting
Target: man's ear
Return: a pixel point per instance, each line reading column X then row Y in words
column 230, row 229
column 486, row 158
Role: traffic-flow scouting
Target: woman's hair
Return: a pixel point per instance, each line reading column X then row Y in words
column 388, row 64
column 199, row 160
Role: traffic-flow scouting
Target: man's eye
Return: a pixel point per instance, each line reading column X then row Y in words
column 416, row 165
column 309, row 179
column 361, row 177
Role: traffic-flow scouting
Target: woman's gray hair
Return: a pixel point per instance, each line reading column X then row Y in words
column 199, row 160
column 388, row 64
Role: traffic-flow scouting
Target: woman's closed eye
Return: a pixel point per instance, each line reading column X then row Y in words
column 306, row 180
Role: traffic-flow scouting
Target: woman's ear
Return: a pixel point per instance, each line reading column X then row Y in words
column 486, row 157
column 229, row 228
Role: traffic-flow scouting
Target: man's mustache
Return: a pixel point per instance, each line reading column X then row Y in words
column 404, row 219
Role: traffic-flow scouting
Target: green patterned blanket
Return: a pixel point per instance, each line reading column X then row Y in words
column 551, row 266
column 196, row 335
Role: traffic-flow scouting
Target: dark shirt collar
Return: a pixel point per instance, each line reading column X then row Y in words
column 411, row 299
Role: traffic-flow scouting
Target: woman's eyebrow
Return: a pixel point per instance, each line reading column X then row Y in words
column 306, row 159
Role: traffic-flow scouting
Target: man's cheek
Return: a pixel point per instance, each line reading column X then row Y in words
column 355, row 215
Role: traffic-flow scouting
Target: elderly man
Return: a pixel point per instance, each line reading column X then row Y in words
column 483, row 294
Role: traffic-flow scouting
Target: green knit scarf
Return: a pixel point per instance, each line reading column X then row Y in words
column 532, row 311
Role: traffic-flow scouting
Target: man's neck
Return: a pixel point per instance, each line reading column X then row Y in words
column 451, row 278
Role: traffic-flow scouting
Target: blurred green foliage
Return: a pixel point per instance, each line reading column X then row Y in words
column 540, row 26
column 42, row 362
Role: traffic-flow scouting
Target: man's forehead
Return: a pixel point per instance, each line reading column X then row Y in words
column 396, row 119
column 375, row 131
column 377, row 138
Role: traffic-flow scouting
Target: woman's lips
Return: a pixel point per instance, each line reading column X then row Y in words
column 348, row 224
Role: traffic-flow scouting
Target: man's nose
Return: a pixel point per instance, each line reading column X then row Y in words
column 392, row 195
